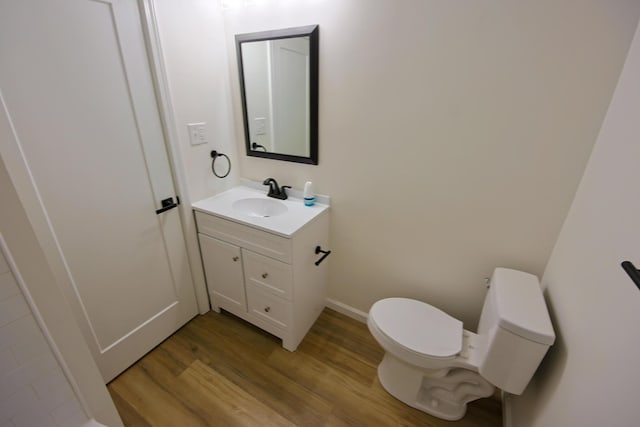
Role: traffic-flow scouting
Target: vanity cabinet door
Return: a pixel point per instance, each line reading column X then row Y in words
column 223, row 270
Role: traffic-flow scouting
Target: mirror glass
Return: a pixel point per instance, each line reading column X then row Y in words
column 279, row 89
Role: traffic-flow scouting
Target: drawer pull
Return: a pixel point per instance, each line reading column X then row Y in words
column 236, row 258
column 320, row 251
column 265, row 275
column 267, row 309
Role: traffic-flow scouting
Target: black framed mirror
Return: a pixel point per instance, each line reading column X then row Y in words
column 278, row 73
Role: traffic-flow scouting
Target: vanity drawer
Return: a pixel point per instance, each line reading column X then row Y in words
column 259, row 241
column 268, row 307
column 266, row 273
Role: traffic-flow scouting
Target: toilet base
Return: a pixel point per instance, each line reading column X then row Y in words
column 443, row 393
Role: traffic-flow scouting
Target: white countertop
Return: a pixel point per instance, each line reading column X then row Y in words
column 285, row 225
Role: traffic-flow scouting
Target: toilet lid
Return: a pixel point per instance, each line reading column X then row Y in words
column 418, row 326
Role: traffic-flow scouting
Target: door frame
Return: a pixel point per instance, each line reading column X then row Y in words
column 89, row 387
column 165, row 107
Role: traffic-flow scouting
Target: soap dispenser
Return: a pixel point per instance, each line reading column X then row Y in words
column 309, row 197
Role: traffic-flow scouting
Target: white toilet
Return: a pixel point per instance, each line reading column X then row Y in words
column 431, row 363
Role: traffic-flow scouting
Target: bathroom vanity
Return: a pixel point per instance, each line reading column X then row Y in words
column 261, row 259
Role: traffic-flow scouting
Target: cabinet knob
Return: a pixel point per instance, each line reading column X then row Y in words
column 236, row 258
column 267, row 309
column 265, row 275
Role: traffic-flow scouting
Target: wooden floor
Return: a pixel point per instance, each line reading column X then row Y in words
column 221, row 371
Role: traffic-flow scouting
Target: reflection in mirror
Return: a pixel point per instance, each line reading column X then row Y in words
column 279, row 88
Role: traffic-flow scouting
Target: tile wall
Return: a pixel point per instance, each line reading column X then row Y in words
column 33, row 388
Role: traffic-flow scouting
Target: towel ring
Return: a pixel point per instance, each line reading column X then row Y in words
column 214, row 156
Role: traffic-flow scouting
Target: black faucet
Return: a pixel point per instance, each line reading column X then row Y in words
column 275, row 191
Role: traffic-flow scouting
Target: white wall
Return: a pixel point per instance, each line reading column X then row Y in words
column 192, row 38
column 452, row 134
column 590, row 377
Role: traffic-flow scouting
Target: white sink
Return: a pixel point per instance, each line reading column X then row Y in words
column 251, row 206
column 259, row 207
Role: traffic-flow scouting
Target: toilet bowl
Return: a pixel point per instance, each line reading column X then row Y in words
column 432, row 364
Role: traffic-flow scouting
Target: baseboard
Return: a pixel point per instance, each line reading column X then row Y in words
column 506, row 409
column 347, row 310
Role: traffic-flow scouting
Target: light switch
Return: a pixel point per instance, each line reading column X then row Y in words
column 196, row 133
column 261, row 125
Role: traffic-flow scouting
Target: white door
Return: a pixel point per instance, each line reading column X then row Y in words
column 290, row 85
column 76, row 84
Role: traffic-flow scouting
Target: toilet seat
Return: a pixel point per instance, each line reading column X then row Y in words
column 418, row 327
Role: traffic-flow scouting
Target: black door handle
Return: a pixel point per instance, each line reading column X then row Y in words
column 167, row 204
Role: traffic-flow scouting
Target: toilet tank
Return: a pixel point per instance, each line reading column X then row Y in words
column 515, row 329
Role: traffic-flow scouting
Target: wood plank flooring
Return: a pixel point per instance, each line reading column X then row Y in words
column 221, row 371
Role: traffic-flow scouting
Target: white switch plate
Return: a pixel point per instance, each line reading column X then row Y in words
column 261, row 125
column 196, row 133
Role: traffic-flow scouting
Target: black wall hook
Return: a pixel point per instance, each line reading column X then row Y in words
column 318, row 251
column 632, row 271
